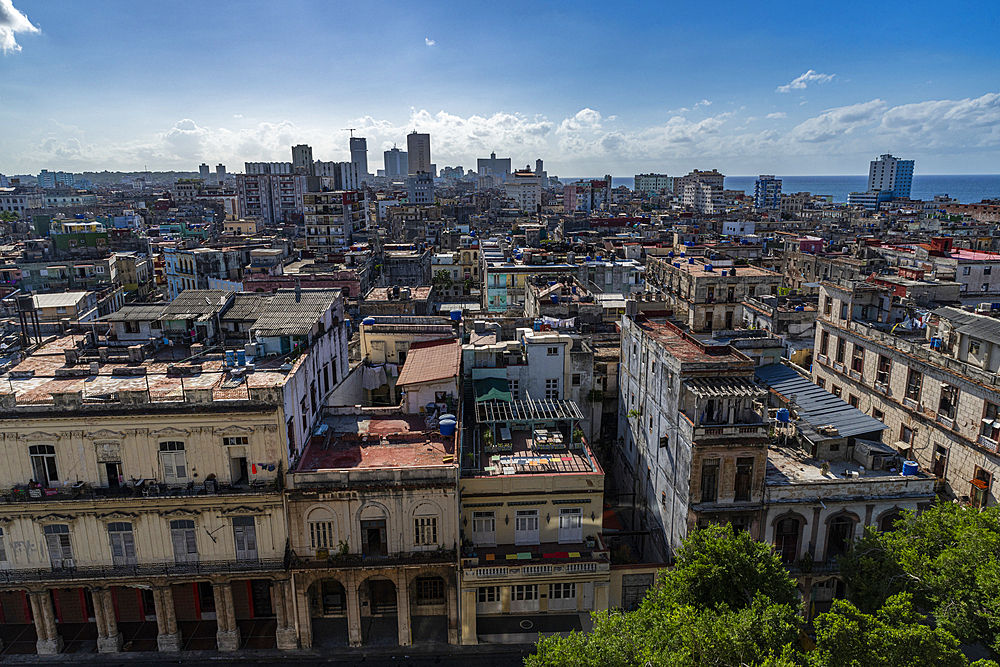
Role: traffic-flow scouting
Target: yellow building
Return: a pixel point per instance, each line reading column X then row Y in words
column 533, row 559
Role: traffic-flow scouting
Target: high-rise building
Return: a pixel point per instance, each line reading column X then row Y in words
column 711, row 177
column 359, row 154
column 396, row 163
column 767, row 193
column 494, row 166
column 51, row 179
column 543, row 176
column 302, row 160
column 220, row 173
column 203, row 172
column 891, row 174
column 648, row 184
column 420, row 188
column 418, row 148
column 524, row 187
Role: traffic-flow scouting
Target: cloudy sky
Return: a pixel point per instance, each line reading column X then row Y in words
column 591, row 88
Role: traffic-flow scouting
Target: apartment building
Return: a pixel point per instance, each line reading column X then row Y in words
column 650, row 184
column 331, row 218
column 692, row 446
column 935, row 388
column 524, row 187
column 143, row 500
column 708, row 294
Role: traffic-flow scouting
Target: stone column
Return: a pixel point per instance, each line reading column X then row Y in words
column 168, row 637
column 468, row 615
column 285, row 632
column 304, row 610
column 49, row 642
column 403, row 607
column 228, row 635
column 353, row 610
column 453, row 629
column 110, row 640
column 806, row 598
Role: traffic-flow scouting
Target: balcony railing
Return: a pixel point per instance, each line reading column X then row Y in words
column 988, row 443
column 143, row 570
column 129, row 493
column 502, row 572
column 362, row 560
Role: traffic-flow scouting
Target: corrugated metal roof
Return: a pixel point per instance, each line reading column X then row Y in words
column 193, row 304
column 246, row 306
column 815, row 405
column 428, row 361
column 289, row 314
column 58, row 300
column 136, row 313
column 720, row 386
column 984, row 328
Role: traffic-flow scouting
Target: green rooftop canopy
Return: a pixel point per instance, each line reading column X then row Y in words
column 492, row 389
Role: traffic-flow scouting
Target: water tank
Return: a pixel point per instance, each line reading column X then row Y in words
column 708, row 267
column 447, row 415
column 447, row 427
column 555, row 298
column 241, row 358
column 230, row 357
column 690, row 260
column 783, row 415
column 670, row 254
column 910, row 468
column 799, row 309
column 456, row 316
column 368, row 321
column 677, row 264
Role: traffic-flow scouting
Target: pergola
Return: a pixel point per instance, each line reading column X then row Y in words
column 530, row 412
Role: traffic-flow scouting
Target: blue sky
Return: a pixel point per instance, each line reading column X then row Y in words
column 591, row 88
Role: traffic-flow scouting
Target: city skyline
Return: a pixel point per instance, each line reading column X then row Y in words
column 650, row 88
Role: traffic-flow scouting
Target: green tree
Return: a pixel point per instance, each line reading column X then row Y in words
column 895, row 636
column 8, row 216
column 442, row 279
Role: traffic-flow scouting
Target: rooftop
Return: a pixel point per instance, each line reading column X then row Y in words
column 698, row 269
column 363, row 441
column 792, row 465
column 429, row 361
column 684, row 348
column 382, row 294
column 59, row 300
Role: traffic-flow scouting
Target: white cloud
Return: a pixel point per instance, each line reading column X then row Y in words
column 969, row 123
column 804, row 80
column 776, row 114
column 11, row 22
column 429, row 42
column 838, row 122
column 704, row 103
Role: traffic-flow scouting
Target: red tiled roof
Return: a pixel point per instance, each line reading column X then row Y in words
column 431, row 360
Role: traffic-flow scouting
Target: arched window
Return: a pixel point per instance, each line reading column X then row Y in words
column 425, row 526
column 786, row 539
column 887, row 523
column 839, row 536
column 321, row 529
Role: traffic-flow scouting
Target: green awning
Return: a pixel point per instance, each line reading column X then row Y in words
column 492, row 389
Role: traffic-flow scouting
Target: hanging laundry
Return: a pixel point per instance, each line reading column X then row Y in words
column 253, row 468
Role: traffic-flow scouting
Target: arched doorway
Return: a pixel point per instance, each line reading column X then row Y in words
column 328, row 609
column 839, row 536
column 379, row 613
column 786, row 538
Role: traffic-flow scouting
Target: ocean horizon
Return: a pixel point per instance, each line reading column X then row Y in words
column 968, row 188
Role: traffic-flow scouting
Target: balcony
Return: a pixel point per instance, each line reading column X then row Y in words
column 508, row 560
column 910, row 403
column 988, row 443
column 434, row 556
column 143, row 570
column 141, row 490
column 945, row 421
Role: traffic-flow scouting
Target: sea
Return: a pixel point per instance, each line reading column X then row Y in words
column 968, row 189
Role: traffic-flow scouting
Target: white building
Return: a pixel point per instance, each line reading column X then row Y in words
column 891, row 174
column 525, row 188
column 418, row 149
column 359, row 155
column 704, row 197
column 396, row 163
column 739, row 227
column 648, row 184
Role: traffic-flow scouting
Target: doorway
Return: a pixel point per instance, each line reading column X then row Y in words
column 373, row 538
column 113, row 473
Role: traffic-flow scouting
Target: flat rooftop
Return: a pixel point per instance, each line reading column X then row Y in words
column 363, row 441
column 698, row 269
column 792, row 465
column 382, row 294
column 45, row 372
column 687, row 350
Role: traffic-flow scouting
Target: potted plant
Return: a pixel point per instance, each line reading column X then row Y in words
column 591, row 542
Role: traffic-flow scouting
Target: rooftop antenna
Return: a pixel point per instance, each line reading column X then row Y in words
column 349, row 129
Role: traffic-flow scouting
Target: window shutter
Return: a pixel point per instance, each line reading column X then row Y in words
column 55, row 550
column 191, row 541
column 168, row 468
column 128, row 540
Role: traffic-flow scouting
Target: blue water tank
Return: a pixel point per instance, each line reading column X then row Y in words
column 783, row 415
column 910, row 468
column 456, row 316
column 677, row 264
column 683, row 253
column 799, row 309
column 368, row 321
column 241, row 358
column 670, row 254
column 447, row 427
column 573, row 288
column 690, row 260
column 555, row 298
column 708, row 267
column 230, row 357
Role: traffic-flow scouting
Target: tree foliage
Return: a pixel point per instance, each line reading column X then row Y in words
column 946, row 557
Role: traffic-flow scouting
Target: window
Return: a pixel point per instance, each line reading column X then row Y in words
column 821, row 383
column 948, row 405
column 974, row 347
column 570, row 525
column 430, row 590
column 858, row 360
column 882, row 372
column 940, row 461
column 836, row 390
column 980, row 488
column 827, row 305
column 878, row 414
column 245, row 536
column 987, row 270
column 488, row 599
column 576, row 379
column 515, row 390
column 562, row 596
column 239, row 441
column 844, row 311
column 524, row 592
column 991, row 422
column 744, row 479
column 425, row 531
column 906, row 434
column 711, row 294
column 786, row 539
column 3, row 548
column 58, row 545
column 913, row 381
column 965, row 270
column 484, row 528
column 839, row 536
column 526, row 527
column 184, row 540
column 321, row 534
column 841, row 349
column 174, row 462
column 60, row 310
column 43, row 464
column 853, row 400
column 122, row 543
column 824, row 342
column 552, row 389
column 709, row 480
column 552, row 351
